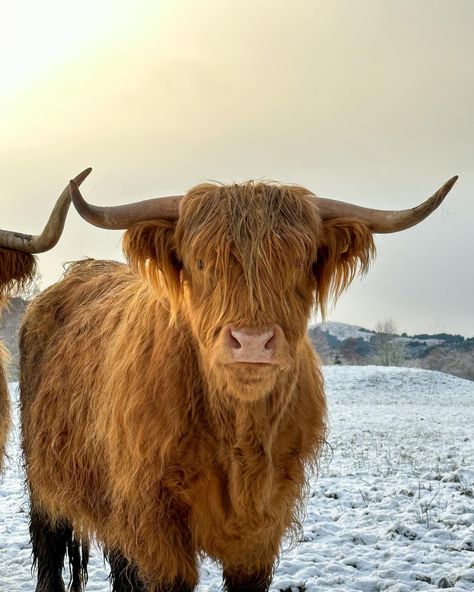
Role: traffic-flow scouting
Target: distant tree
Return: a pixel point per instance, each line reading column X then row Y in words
column 459, row 363
column 321, row 346
column 387, row 347
column 350, row 353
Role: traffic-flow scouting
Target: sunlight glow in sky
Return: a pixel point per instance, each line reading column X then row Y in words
column 36, row 37
column 369, row 102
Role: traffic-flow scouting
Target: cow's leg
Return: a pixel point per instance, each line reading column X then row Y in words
column 50, row 543
column 124, row 577
column 176, row 587
column 123, row 574
column 242, row 581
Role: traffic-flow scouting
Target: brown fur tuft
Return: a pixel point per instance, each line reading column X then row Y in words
column 347, row 248
column 150, row 250
column 16, row 270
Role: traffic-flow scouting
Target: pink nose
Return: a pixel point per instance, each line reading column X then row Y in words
column 247, row 345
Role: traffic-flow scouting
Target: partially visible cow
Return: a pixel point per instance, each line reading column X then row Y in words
column 172, row 407
column 17, row 268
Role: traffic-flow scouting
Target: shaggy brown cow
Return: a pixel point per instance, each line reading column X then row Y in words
column 171, row 407
column 17, row 268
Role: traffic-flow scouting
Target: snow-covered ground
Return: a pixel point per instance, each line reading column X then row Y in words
column 392, row 508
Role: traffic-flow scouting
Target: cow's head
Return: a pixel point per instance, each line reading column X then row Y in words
column 245, row 264
column 17, row 261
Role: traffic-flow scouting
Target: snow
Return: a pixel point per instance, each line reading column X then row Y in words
column 391, row 510
column 432, row 342
column 342, row 331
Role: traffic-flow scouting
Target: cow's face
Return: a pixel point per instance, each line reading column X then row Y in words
column 248, row 253
column 244, row 266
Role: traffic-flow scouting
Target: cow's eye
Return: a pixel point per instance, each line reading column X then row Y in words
column 200, row 264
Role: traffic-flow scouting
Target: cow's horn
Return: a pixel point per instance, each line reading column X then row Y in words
column 121, row 217
column 378, row 221
column 384, row 221
column 27, row 243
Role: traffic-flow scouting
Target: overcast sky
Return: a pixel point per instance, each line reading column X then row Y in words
column 369, row 101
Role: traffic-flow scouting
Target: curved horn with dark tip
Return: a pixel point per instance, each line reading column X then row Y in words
column 27, row 243
column 384, row 221
column 121, row 217
column 167, row 208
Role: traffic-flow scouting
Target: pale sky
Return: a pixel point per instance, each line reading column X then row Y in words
column 370, row 101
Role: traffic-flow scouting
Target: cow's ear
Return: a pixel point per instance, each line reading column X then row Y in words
column 346, row 249
column 150, row 248
column 17, row 270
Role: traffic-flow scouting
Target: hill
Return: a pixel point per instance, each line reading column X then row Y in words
column 339, row 343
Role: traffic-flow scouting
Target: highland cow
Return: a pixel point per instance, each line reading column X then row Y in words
column 17, row 269
column 172, row 406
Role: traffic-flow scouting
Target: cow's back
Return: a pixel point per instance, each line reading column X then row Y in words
column 57, row 311
column 61, row 350
column 85, row 379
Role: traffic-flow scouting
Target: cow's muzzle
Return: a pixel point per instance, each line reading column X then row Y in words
column 252, row 346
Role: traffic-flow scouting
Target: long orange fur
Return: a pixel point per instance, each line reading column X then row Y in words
column 129, row 432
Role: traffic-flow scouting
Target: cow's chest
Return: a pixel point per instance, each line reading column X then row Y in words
column 241, row 497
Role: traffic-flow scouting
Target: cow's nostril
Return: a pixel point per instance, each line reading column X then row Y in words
column 270, row 343
column 233, row 341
